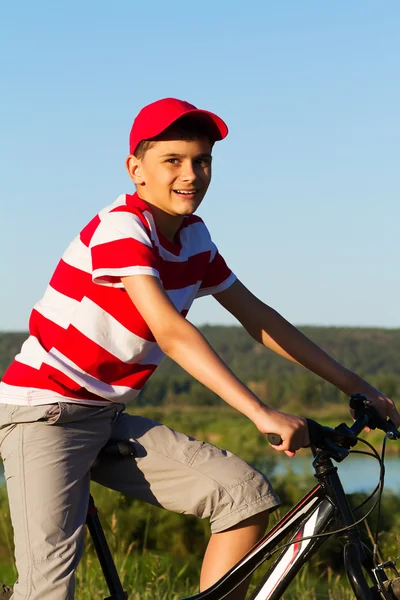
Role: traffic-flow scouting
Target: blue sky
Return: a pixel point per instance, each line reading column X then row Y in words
column 304, row 203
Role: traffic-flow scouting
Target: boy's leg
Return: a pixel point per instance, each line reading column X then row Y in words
column 226, row 548
column 47, row 453
column 185, row 475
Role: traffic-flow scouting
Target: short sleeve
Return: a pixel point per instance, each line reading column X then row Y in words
column 121, row 246
column 218, row 276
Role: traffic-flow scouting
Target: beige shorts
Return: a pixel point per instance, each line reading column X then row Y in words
column 185, row 475
column 49, row 452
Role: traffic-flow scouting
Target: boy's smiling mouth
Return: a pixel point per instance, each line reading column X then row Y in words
column 187, row 193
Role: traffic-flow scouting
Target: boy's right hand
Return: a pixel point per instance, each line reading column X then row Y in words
column 293, row 430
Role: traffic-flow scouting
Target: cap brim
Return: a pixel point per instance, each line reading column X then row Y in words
column 216, row 127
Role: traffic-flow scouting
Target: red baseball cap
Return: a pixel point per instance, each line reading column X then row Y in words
column 154, row 118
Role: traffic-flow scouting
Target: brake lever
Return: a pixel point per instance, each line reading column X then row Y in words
column 362, row 406
column 391, row 431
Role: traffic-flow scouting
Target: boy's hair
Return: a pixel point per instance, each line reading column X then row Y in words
column 185, row 128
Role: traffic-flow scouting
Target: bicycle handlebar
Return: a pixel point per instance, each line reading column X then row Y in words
column 339, row 440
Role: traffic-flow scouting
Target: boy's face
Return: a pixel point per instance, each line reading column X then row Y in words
column 173, row 174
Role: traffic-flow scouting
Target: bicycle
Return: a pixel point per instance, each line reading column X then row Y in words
column 322, row 513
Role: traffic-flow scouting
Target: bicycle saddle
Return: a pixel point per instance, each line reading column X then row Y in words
column 117, row 449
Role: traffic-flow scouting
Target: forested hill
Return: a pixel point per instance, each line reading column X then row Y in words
column 373, row 353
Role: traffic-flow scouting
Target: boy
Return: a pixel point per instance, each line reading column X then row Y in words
column 116, row 303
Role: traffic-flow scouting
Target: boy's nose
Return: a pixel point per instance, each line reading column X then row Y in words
column 188, row 173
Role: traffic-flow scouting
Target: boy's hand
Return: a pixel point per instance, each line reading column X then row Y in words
column 293, row 430
column 384, row 405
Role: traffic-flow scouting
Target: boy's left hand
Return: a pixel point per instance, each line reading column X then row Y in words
column 384, row 405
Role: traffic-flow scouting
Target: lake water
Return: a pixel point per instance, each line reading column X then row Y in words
column 357, row 473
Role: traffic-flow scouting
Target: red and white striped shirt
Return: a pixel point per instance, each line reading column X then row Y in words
column 88, row 342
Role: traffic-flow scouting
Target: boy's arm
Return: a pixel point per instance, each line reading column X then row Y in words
column 267, row 326
column 182, row 342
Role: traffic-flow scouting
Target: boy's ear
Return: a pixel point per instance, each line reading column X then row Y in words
column 133, row 166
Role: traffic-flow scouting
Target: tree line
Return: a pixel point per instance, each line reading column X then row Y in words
column 373, row 353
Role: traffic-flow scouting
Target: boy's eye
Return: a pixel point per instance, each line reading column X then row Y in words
column 203, row 161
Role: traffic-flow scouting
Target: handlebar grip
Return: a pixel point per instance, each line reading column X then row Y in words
column 315, row 430
column 274, row 439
